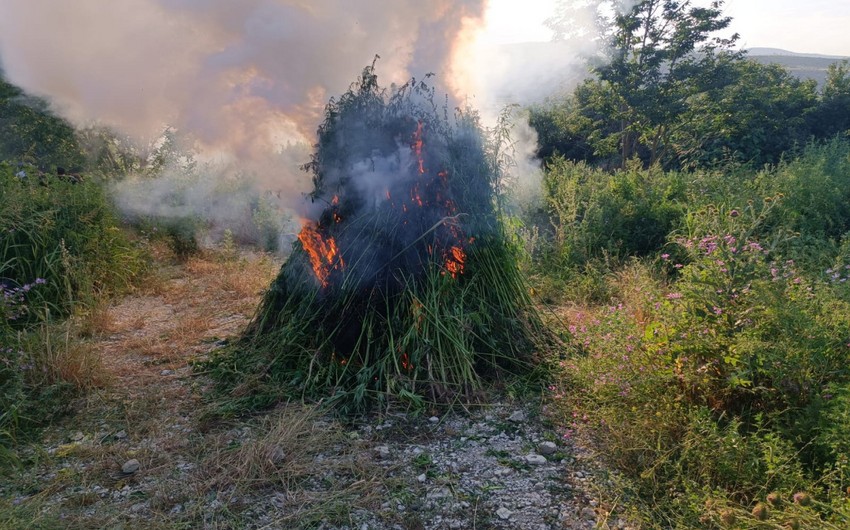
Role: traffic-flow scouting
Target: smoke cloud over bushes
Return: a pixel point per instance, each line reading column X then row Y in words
column 238, row 79
column 240, row 76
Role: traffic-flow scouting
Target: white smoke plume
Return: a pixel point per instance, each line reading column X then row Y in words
column 240, row 76
column 238, row 79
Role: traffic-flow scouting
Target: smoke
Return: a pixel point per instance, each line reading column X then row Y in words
column 241, row 77
column 238, row 79
column 211, row 200
column 235, row 79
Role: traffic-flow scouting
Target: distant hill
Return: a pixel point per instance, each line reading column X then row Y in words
column 779, row 51
column 803, row 65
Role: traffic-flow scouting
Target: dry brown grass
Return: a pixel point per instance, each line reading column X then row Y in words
column 57, row 354
column 94, row 321
column 122, row 349
column 282, row 461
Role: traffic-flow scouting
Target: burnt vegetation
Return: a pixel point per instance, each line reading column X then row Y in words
column 404, row 285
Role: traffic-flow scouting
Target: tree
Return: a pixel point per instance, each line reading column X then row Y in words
column 761, row 112
column 31, row 133
column 833, row 113
column 658, row 55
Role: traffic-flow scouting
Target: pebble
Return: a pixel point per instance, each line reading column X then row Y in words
column 130, row 467
column 434, row 419
column 535, row 460
column 120, row 435
column 166, row 372
column 517, row 417
column 547, row 448
column 504, row 514
column 278, row 455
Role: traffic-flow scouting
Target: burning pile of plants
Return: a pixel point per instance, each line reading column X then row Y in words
column 402, row 281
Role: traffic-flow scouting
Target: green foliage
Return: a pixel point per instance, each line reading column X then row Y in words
column 756, row 115
column 670, row 93
column 716, row 380
column 30, row 133
column 832, row 116
column 66, row 234
column 661, row 54
column 595, row 214
column 814, row 189
column 59, row 247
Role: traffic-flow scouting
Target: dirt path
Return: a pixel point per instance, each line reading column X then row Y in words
column 133, row 454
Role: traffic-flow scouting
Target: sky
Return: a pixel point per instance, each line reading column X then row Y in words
column 813, row 26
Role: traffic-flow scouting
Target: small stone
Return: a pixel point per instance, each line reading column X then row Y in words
column 120, row 435
column 588, row 514
column 517, row 417
column 166, row 372
column 547, row 448
column 382, row 451
column 535, row 460
column 130, row 467
column 278, row 455
column 77, row 436
column 434, row 419
column 422, row 478
column 504, row 514
column 439, row 493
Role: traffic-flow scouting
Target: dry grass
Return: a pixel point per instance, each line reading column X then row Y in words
column 57, row 354
column 305, row 462
column 94, row 321
column 129, row 344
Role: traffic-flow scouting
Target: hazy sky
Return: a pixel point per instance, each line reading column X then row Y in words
column 813, row 26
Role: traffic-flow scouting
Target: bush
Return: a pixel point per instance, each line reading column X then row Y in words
column 814, row 189
column 716, row 378
column 65, row 234
column 595, row 214
column 60, row 247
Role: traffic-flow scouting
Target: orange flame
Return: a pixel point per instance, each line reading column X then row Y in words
column 417, row 147
column 415, row 196
column 323, row 253
column 455, row 262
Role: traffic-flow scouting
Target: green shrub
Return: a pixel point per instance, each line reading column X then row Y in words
column 60, row 247
column 595, row 214
column 730, row 385
column 65, row 234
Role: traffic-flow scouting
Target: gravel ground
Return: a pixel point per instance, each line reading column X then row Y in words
column 140, row 454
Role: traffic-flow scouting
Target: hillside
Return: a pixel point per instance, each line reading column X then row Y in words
column 802, row 65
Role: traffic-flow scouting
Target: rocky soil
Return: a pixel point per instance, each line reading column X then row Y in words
column 140, row 453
